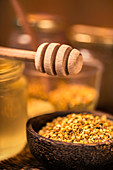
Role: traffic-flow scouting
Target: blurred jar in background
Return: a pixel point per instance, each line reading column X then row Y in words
column 13, row 108
column 80, row 92
column 97, row 42
column 46, row 28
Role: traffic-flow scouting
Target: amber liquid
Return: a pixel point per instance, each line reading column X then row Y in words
column 13, row 117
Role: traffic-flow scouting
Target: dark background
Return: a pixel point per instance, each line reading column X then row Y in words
column 91, row 12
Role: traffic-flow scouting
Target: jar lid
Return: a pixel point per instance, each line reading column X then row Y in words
column 10, row 69
column 44, row 22
column 91, row 35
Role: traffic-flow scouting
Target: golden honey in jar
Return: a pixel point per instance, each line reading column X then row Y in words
column 13, row 103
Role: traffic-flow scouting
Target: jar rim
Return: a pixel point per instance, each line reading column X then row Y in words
column 44, row 22
column 10, row 69
column 91, row 35
column 94, row 65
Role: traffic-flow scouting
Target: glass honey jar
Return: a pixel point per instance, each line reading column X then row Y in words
column 13, row 103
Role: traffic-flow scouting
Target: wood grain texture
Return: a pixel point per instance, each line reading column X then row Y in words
column 22, row 161
column 75, row 62
column 53, row 58
column 49, row 58
column 25, row 161
column 61, row 60
column 39, row 57
column 17, row 54
column 62, row 155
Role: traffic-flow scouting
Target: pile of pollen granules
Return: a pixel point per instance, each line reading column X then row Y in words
column 79, row 128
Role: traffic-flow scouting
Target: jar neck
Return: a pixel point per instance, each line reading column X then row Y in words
column 10, row 70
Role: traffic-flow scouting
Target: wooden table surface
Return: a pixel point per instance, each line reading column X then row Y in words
column 22, row 161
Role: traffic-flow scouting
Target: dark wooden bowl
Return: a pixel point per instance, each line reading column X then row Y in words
column 61, row 155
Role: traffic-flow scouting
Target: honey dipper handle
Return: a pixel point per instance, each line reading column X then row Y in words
column 53, row 58
column 17, row 54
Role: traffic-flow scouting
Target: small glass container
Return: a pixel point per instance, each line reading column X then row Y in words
column 13, row 103
column 45, row 27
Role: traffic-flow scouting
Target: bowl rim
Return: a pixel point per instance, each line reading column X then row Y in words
column 98, row 113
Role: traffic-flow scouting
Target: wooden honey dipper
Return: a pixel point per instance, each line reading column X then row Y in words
column 50, row 58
